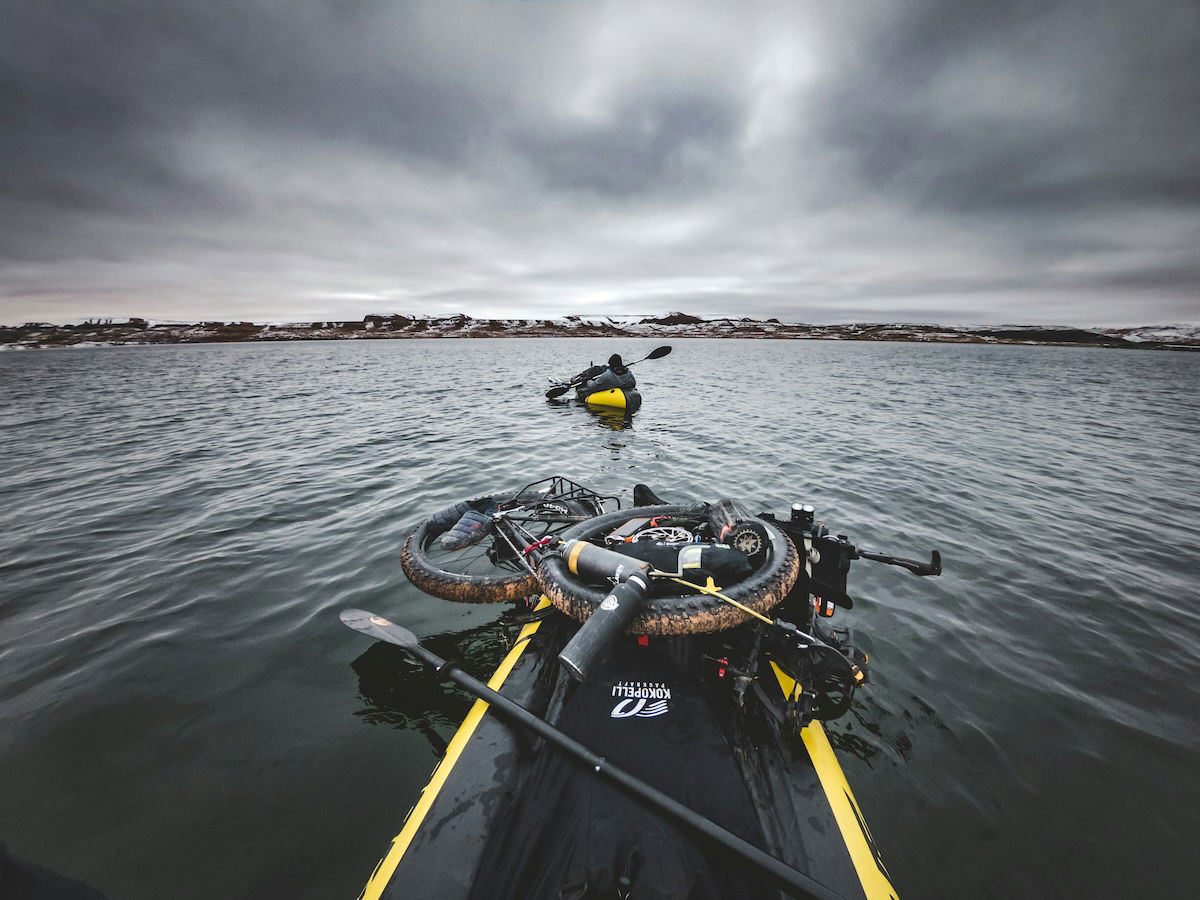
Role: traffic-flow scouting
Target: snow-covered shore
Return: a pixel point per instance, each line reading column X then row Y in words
column 673, row 325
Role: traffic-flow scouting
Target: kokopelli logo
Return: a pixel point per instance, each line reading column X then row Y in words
column 644, row 699
column 630, row 707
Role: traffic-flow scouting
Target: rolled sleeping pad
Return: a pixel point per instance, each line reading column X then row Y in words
column 593, row 642
column 592, row 563
column 691, row 562
column 471, row 528
column 445, row 519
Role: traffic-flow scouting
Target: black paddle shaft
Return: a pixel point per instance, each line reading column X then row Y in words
column 656, row 353
column 790, row 880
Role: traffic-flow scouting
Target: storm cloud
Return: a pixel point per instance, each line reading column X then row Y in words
column 925, row 161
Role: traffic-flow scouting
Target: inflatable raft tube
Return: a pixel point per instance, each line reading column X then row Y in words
column 470, row 831
column 613, row 398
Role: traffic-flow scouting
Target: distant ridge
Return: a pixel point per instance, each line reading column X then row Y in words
column 676, row 325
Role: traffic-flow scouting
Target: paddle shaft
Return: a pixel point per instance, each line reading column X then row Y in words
column 566, row 386
column 656, row 353
column 790, row 880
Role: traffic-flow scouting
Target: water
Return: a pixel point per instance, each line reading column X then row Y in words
column 179, row 526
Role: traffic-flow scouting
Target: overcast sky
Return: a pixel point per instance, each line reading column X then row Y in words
column 924, row 160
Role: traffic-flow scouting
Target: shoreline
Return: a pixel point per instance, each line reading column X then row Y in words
column 138, row 332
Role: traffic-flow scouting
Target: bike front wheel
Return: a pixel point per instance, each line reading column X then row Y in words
column 495, row 569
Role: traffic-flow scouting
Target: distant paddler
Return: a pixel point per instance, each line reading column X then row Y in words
column 611, row 385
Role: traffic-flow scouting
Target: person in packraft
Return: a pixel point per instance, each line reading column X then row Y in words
column 602, row 378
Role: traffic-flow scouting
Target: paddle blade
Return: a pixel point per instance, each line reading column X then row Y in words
column 556, row 392
column 379, row 628
column 659, row 353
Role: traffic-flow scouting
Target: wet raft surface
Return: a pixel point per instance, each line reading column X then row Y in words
column 503, row 818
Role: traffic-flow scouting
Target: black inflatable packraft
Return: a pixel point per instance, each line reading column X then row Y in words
column 569, row 835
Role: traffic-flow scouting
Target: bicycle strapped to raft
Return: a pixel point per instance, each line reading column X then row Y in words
column 762, row 585
column 675, row 661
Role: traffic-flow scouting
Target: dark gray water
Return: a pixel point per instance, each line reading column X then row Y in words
column 179, row 527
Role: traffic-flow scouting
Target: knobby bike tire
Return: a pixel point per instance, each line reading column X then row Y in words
column 694, row 613
column 427, row 576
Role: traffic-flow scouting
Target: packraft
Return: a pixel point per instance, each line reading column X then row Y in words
column 610, row 386
column 722, row 716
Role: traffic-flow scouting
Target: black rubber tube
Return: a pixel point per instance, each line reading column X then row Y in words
column 590, row 647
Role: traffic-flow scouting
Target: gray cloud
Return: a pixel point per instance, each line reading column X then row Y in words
column 1020, row 162
column 651, row 145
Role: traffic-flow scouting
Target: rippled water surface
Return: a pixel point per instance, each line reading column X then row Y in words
column 182, row 715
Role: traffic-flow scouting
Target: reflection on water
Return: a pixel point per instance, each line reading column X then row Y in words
column 402, row 693
column 612, row 419
column 607, row 417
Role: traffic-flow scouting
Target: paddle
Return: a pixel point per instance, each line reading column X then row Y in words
column 793, row 882
column 656, row 353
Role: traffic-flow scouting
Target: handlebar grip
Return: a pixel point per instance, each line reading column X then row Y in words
column 933, row 567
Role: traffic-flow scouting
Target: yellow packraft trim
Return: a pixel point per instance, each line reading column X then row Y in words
column 611, row 397
column 387, row 866
column 855, row 834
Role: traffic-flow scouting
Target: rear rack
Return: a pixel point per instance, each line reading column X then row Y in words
column 558, row 487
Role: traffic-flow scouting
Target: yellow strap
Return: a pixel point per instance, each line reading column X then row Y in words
column 573, row 556
column 711, row 588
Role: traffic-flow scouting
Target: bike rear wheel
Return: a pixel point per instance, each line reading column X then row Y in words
column 685, row 612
